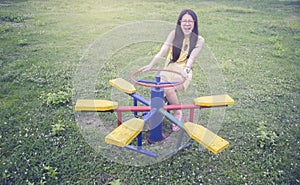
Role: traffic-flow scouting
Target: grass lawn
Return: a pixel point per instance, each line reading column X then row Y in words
column 44, row 43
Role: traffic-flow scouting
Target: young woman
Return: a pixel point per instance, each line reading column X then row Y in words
column 184, row 45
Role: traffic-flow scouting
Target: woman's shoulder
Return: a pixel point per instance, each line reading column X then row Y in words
column 201, row 40
column 171, row 36
column 172, row 33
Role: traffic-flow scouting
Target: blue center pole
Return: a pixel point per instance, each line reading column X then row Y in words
column 157, row 102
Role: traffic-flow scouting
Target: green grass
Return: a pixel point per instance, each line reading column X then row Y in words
column 256, row 44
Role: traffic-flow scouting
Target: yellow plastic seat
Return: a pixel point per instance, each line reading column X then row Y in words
column 122, row 85
column 95, row 105
column 206, row 137
column 217, row 100
column 125, row 133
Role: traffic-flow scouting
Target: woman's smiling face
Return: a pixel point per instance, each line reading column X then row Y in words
column 187, row 24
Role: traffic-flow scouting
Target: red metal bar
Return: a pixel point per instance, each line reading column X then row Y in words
column 133, row 109
column 192, row 108
column 167, row 107
column 119, row 118
column 181, row 106
column 189, row 106
column 192, row 113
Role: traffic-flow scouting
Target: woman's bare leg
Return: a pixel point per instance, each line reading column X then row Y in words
column 173, row 99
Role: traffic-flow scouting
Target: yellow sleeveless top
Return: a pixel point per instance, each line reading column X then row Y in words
column 182, row 59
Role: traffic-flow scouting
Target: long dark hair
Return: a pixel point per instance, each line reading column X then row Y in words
column 179, row 35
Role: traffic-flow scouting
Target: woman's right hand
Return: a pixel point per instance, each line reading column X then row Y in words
column 146, row 68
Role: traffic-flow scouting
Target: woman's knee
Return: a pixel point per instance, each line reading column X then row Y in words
column 170, row 90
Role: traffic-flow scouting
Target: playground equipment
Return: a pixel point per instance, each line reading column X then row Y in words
column 154, row 112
